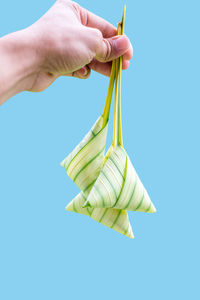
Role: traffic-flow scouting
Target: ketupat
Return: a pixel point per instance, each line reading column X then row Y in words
column 84, row 163
column 119, row 186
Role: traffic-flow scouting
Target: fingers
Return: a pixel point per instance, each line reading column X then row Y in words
column 91, row 20
column 111, row 48
column 102, row 68
column 128, row 54
column 125, row 64
column 82, row 73
column 102, row 35
column 105, row 68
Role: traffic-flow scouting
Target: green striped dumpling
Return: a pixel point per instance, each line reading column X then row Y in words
column 84, row 163
column 119, row 186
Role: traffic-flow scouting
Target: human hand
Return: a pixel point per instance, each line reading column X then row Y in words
column 69, row 40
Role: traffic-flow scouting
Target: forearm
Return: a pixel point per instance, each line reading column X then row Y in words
column 18, row 64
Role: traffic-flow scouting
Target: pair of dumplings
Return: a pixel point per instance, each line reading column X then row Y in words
column 109, row 183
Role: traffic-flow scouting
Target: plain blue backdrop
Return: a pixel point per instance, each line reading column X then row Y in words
column 47, row 253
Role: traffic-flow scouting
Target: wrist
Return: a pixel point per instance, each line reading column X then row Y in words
column 19, row 62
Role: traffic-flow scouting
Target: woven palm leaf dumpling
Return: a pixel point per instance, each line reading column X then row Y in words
column 86, row 160
column 119, row 186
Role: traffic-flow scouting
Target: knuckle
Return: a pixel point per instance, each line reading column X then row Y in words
column 95, row 40
column 97, row 35
column 108, row 50
column 83, row 15
column 71, row 5
column 75, row 6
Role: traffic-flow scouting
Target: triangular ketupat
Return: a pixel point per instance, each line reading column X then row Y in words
column 119, row 186
column 84, row 163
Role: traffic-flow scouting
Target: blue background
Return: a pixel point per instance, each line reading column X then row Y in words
column 47, row 253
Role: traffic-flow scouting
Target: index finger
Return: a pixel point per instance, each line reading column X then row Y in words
column 91, row 20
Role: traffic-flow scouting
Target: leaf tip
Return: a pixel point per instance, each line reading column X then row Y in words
column 62, row 164
column 68, row 207
column 153, row 209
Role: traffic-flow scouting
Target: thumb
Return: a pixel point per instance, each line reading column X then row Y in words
column 112, row 48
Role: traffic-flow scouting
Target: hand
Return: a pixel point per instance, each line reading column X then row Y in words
column 68, row 40
column 71, row 40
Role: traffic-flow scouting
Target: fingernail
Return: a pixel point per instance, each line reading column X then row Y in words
column 121, row 43
column 83, row 71
column 116, row 37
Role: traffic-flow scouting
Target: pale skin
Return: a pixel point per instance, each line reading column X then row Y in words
column 68, row 40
